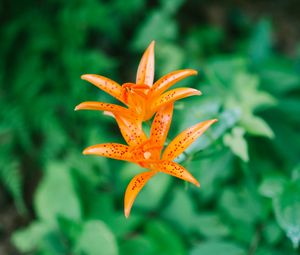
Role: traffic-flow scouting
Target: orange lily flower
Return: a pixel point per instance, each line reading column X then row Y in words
column 147, row 151
column 142, row 98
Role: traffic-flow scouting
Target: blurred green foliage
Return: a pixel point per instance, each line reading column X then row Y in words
column 247, row 163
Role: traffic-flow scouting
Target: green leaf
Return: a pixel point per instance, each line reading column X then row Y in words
column 269, row 251
column 261, row 42
column 272, row 186
column 220, row 70
column 128, row 8
column 256, row 126
column 237, row 143
column 290, row 107
column 169, row 57
column 122, row 226
column 171, row 6
column 69, row 228
column 248, row 94
column 166, row 240
column 181, row 211
column 11, row 178
column 279, row 75
column 272, row 233
column 296, row 173
column 240, row 91
column 287, row 211
column 140, row 245
column 157, row 26
column 56, row 196
column 40, row 237
column 154, row 192
column 210, row 225
column 226, row 120
column 203, row 41
column 241, row 205
column 287, row 140
column 211, row 173
column 217, row 247
column 30, row 238
column 96, row 239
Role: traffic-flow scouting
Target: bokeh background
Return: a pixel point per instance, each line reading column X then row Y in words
column 54, row 200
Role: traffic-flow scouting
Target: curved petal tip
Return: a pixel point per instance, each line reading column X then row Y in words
column 191, row 179
column 127, row 212
column 152, row 43
column 214, row 121
column 87, row 151
column 193, row 71
column 84, row 76
column 197, row 92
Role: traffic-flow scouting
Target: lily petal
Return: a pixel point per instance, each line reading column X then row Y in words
column 145, row 72
column 131, row 130
column 100, row 106
column 106, row 84
column 110, row 150
column 174, row 169
column 173, row 95
column 168, row 80
column 185, row 138
column 161, row 125
column 133, row 188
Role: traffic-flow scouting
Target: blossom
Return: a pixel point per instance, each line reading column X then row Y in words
column 143, row 98
column 148, row 152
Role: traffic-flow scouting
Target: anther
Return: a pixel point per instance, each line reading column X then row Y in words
column 147, row 155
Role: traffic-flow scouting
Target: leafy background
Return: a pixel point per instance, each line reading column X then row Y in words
column 53, row 200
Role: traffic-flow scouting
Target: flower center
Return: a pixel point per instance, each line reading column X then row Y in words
column 134, row 89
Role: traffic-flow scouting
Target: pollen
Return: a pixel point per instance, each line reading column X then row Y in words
column 147, row 154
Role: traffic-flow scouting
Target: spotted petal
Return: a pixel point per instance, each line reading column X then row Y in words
column 145, row 73
column 161, row 124
column 184, row 139
column 106, row 84
column 131, row 130
column 133, row 188
column 173, row 95
column 110, row 150
column 174, row 169
column 169, row 80
column 100, row 106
